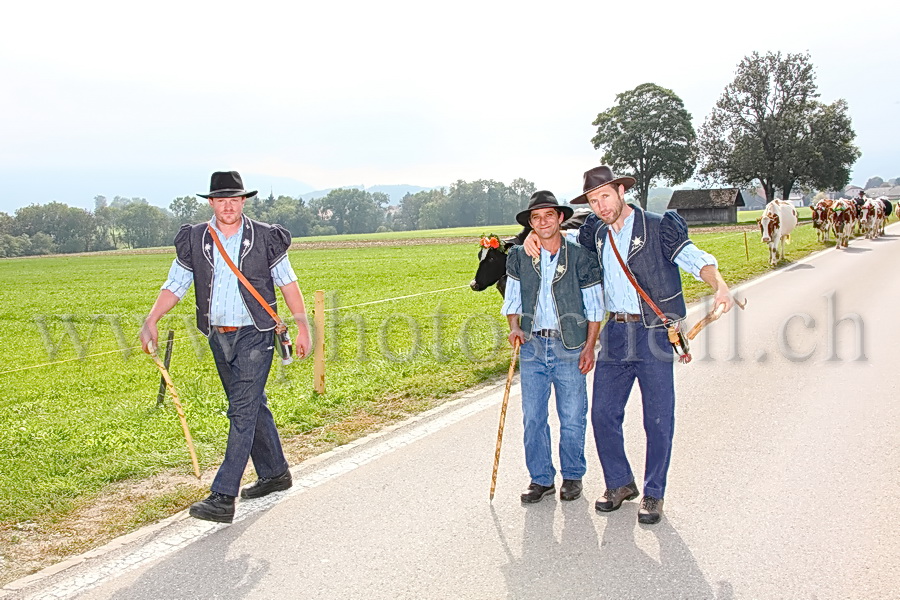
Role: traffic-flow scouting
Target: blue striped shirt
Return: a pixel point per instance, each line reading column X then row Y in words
column 618, row 293
column 227, row 306
column 545, row 313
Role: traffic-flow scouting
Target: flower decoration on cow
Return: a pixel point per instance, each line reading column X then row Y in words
column 490, row 241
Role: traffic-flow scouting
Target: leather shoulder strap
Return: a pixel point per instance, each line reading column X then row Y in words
column 633, row 281
column 243, row 279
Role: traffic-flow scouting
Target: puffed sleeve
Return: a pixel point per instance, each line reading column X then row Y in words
column 183, row 247
column 277, row 244
column 512, row 262
column 588, row 231
column 673, row 234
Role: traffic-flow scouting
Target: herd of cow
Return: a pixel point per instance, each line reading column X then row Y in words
column 843, row 217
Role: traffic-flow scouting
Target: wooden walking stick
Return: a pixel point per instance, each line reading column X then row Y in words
column 509, row 377
column 178, row 409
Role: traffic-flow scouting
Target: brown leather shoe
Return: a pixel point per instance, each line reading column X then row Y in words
column 536, row 493
column 570, row 489
column 651, row 510
column 612, row 499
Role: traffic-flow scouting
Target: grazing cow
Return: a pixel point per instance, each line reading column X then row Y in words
column 776, row 224
column 821, row 218
column 843, row 215
column 492, row 255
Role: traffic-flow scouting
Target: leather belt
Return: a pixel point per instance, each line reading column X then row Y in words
column 547, row 333
column 620, row 317
column 225, row 328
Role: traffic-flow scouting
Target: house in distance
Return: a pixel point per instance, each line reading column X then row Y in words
column 707, row 206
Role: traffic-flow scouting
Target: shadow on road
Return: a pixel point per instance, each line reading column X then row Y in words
column 801, row 266
column 222, row 576
column 579, row 565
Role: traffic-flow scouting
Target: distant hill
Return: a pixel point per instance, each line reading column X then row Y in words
column 396, row 192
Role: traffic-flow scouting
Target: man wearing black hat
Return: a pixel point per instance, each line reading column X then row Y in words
column 240, row 331
column 634, row 343
column 554, row 309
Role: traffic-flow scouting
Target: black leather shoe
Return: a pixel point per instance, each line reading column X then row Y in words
column 267, row 485
column 613, row 499
column 570, row 489
column 217, row 507
column 536, row 493
column 651, row 510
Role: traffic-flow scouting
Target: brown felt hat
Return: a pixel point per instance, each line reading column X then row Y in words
column 598, row 177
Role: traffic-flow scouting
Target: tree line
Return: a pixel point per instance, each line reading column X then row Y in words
column 135, row 223
column 767, row 129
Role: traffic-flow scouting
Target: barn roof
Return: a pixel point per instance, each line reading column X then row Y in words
column 716, row 198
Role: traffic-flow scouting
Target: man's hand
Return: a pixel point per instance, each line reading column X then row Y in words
column 587, row 359
column 532, row 245
column 516, row 332
column 302, row 343
column 722, row 295
column 149, row 335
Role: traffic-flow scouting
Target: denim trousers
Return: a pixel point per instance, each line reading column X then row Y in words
column 630, row 351
column 243, row 359
column 545, row 361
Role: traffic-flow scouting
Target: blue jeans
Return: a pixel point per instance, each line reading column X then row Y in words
column 243, row 359
column 546, row 361
column 629, row 351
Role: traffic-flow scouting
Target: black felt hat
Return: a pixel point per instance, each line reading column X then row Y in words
column 598, row 177
column 542, row 199
column 227, row 184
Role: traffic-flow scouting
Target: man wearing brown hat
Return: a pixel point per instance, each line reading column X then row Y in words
column 634, row 343
column 240, row 329
column 554, row 310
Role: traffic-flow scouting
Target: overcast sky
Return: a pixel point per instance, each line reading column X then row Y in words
column 391, row 92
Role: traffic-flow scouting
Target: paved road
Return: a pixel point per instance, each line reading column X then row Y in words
column 784, row 483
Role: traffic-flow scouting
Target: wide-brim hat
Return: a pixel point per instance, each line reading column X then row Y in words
column 542, row 199
column 227, row 184
column 597, row 178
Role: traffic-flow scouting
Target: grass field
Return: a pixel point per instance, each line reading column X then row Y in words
column 78, row 402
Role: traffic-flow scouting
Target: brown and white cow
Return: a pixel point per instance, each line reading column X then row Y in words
column 843, row 217
column 777, row 222
column 821, row 218
column 871, row 218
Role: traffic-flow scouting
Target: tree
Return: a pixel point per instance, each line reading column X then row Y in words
column 647, row 134
column 350, row 210
column 768, row 127
column 184, row 208
column 874, row 182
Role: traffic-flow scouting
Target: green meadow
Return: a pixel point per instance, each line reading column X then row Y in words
column 78, row 404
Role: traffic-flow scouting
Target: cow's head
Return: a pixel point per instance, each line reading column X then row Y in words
column 491, row 263
column 768, row 225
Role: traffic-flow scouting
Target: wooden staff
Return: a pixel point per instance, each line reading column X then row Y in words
column 509, row 377
column 178, row 409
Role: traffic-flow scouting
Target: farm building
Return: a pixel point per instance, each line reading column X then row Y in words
column 707, row 206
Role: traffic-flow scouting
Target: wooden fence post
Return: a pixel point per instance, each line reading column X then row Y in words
column 746, row 246
column 319, row 350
